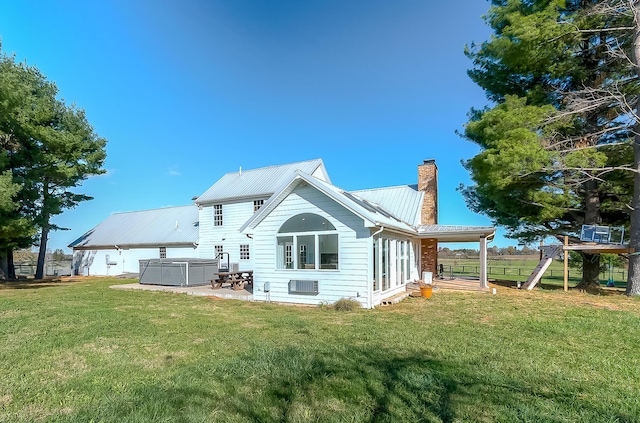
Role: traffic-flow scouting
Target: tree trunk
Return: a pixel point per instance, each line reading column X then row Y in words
column 4, row 265
column 591, row 262
column 11, row 268
column 43, row 252
column 590, row 274
column 633, row 280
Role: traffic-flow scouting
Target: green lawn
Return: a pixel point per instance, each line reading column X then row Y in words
column 81, row 352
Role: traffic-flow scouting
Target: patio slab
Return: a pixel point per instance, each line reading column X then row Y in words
column 201, row 291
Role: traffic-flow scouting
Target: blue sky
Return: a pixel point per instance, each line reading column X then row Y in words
column 185, row 91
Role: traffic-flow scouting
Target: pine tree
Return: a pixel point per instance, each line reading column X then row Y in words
column 49, row 149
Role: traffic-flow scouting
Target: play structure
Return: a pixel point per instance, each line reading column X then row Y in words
column 594, row 239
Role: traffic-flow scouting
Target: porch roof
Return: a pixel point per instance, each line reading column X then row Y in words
column 455, row 233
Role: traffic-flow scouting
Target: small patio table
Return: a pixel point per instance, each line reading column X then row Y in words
column 236, row 279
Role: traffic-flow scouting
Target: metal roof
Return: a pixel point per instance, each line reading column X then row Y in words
column 403, row 201
column 455, row 233
column 157, row 227
column 262, row 182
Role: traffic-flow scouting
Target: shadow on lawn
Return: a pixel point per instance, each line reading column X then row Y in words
column 559, row 286
column 36, row 283
column 344, row 383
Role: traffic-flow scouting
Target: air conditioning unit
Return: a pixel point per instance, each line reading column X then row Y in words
column 304, row 287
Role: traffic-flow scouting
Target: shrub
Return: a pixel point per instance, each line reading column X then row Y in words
column 346, row 304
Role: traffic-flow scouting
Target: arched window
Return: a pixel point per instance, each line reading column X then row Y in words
column 310, row 243
column 306, row 222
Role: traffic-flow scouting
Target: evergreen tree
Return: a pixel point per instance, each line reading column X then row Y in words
column 557, row 148
column 51, row 150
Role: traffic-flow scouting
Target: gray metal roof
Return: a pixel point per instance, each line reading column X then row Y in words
column 262, row 182
column 456, row 233
column 403, row 201
column 157, row 227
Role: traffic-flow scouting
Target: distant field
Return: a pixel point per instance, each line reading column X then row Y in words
column 518, row 268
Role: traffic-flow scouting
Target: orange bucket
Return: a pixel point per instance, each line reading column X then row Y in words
column 426, row 291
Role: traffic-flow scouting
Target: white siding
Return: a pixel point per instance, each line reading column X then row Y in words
column 351, row 280
column 234, row 215
column 122, row 261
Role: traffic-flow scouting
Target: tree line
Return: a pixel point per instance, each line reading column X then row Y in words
column 47, row 149
column 494, row 251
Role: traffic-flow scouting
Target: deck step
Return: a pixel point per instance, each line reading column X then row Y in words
column 395, row 299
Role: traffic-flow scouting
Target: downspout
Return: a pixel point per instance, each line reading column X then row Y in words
column 370, row 290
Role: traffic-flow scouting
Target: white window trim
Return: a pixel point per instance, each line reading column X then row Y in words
column 247, row 251
column 296, row 250
column 216, row 215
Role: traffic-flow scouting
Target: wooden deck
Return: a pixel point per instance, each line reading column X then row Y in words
column 459, row 285
column 446, row 284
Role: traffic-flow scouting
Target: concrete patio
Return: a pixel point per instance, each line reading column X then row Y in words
column 246, row 294
column 226, row 292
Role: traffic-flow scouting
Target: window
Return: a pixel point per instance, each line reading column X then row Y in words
column 163, row 252
column 284, row 250
column 218, row 250
column 307, row 256
column 403, row 261
column 257, row 204
column 376, row 265
column 244, row 251
column 314, row 239
column 392, row 262
column 385, row 264
column 217, row 215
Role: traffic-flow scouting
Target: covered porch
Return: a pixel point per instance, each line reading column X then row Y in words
column 431, row 235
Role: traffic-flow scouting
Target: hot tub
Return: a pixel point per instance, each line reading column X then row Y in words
column 177, row 271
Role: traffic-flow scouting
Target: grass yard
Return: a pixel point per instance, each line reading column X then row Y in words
column 81, row 352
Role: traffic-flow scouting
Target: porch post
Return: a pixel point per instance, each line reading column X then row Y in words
column 483, row 263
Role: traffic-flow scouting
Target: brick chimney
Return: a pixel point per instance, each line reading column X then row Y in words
column 428, row 183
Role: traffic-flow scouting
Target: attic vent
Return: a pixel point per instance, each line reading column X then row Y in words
column 304, row 287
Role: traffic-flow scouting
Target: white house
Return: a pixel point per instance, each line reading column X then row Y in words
column 306, row 240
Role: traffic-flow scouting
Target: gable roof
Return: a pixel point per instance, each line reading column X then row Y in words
column 262, row 182
column 371, row 213
column 404, row 201
column 157, row 227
